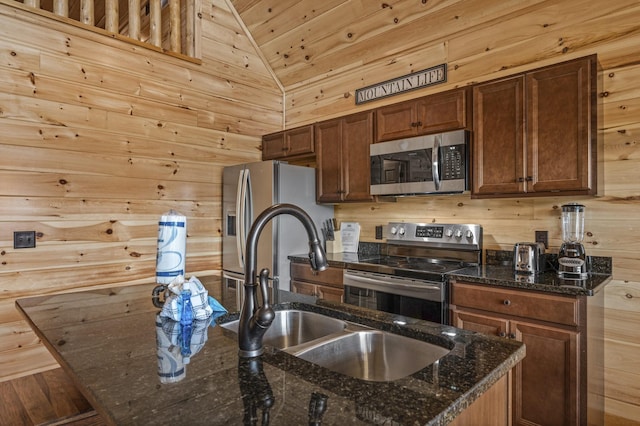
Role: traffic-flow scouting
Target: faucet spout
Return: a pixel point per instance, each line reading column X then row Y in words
column 255, row 320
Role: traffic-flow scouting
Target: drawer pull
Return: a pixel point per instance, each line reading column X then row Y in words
column 502, row 334
column 506, row 302
column 512, row 335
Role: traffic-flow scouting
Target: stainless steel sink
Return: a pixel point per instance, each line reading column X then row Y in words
column 348, row 348
column 373, row 355
column 293, row 328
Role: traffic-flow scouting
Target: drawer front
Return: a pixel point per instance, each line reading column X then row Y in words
column 331, row 276
column 538, row 306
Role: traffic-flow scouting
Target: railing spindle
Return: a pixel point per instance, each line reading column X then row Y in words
column 86, row 12
column 174, row 22
column 61, row 7
column 134, row 19
column 112, row 16
column 190, row 19
column 155, row 22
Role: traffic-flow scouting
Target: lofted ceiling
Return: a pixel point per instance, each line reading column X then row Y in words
column 307, row 40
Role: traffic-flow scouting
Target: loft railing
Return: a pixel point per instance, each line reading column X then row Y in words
column 169, row 25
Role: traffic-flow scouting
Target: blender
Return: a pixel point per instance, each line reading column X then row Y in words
column 572, row 259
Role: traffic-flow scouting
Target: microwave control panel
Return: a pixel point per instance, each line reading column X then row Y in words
column 453, row 162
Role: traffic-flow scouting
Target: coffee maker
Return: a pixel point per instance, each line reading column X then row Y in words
column 572, row 259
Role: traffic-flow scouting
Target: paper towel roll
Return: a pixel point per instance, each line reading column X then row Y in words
column 172, row 247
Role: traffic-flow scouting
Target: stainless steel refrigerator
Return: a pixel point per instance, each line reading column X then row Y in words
column 247, row 190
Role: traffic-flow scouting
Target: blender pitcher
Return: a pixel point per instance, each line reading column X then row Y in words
column 572, row 223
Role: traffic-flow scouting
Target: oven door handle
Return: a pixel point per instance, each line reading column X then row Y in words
column 382, row 284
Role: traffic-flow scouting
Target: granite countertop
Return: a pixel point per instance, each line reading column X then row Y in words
column 499, row 272
column 547, row 282
column 109, row 343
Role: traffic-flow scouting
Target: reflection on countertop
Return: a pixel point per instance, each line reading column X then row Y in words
column 106, row 339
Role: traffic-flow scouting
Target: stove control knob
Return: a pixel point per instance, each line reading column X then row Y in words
column 393, row 230
column 468, row 234
column 458, row 234
column 448, row 233
column 401, row 231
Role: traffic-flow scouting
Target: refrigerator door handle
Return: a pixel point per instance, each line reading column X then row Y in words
column 240, row 219
column 246, row 206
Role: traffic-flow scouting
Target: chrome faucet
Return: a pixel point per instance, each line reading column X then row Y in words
column 254, row 320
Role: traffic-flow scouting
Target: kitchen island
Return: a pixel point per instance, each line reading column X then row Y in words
column 108, row 341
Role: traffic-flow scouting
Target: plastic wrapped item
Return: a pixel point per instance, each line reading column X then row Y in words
column 172, row 247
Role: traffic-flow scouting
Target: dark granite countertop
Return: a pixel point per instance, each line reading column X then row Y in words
column 500, row 273
column 338, row 260
column 547, row 282
column 107, row 340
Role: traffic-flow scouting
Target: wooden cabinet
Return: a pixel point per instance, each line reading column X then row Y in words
column 552, row 385
column 296, row 142
column 430, row 114
column 343, row 158
column 327, row 284
column 536, row 133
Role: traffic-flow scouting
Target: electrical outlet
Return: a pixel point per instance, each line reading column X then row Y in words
column 378, row 232
column 24, row 239
column 543, row 237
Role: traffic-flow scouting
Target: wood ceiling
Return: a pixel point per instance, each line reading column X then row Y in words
column 306, row 40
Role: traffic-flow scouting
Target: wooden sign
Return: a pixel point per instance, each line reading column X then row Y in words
column 416, row 80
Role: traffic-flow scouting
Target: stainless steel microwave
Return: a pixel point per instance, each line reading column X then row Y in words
column 429, row 164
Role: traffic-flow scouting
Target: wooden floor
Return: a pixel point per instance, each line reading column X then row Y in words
column 48, row 398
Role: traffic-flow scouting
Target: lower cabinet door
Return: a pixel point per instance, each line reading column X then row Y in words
column 330, row 293
column 546, row 382
column 303, row 288
column 486, row 324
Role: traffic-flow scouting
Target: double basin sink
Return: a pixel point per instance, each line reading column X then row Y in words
column 348, row 348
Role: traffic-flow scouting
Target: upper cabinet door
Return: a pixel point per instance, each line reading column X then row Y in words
column 396, row 121
column 430, row 114
column 560, row 131
column 357, row 132
column 443, row 112
column 498, row 145
column 273, row 146
column 328, row 135
column 300, row 141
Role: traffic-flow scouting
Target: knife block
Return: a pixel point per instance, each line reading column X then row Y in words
column 335, row 246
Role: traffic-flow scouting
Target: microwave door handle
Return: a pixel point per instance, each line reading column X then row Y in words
column 435, row 162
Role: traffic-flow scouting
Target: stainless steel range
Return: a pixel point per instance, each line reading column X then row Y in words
column 411, row 278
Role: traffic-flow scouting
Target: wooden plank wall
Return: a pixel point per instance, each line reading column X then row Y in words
column 98, row 138
column 529, row 35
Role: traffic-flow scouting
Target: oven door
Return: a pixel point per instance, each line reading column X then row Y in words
column 397, row 295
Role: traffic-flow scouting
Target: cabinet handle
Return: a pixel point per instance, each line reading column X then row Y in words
column 502, row 334
column 506, row 302
column 529, row 178
column 512, row 335
column 520, row 179
column 419, row 123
